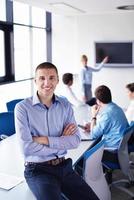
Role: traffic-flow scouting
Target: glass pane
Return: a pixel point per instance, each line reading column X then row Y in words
column 22, row 52
column 21, row 13
column 39, row 47
column 38, row 17
column 2, row 10
column 2, row 54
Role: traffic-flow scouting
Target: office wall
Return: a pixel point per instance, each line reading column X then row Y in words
column 64, row 42
column 14, row 91
column 64, row 50
column 76, row 36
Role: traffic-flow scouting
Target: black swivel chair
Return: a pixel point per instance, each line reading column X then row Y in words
column 131, row 148
column 131, row 141
column 122, row 163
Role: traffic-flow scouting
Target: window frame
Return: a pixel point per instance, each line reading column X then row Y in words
column 7, row 27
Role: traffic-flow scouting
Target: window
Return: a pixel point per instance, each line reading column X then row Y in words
column 38, row 17
column 24, row 39
column 6, row 64
column 22, row 57
column 2, row 10
column 39, row 47
column 29, row 39
column 2, row 54
column 21, row 13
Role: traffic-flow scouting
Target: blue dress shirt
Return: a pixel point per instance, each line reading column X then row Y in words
column 86, row 73
column 32, row 118
column 111, row 123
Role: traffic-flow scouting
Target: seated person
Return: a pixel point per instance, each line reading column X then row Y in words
column 46, row 129
column 108, row 120
column 67, row 79
column 130, row 110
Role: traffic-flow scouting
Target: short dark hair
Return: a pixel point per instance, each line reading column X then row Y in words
column 46, row 65
column 103, row 94
column 67, row 77
column 130, row 87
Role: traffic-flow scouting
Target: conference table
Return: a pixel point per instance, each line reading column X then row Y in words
column 12, row 163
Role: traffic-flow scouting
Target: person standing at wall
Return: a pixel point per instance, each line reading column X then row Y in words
column 46, row 129
column 130, row 110
column 86, row 76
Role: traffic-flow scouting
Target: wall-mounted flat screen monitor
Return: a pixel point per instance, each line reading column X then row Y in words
column 121, row 54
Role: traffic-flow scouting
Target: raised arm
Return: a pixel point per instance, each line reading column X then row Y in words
column 99, row 67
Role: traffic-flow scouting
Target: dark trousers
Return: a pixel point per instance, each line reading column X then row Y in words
column 87, row 91
column 110, row 156
column 47, row 182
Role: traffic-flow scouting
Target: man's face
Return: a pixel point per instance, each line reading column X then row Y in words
column 98, row 102
column 46, row 81
column 83, row 61
column 130, row 94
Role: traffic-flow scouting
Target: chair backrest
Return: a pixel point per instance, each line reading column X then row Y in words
column 11, row 104
column 93, row 171
column 7, row 126
column 131, row 141
column 123, row 155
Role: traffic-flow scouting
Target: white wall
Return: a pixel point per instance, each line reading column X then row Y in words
column 63, row 42
column 74, row 36
column 15, row 90
column 64, row 39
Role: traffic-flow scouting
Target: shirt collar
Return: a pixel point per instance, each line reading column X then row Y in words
column 106, row 106
column 36, row 99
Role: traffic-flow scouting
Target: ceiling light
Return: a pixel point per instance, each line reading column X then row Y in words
column 66, row 7
column 127, row 7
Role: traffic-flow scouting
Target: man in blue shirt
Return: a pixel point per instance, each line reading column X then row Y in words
column 108, row 119
column 46, row 129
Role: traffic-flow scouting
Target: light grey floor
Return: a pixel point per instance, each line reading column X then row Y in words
column 116, row 193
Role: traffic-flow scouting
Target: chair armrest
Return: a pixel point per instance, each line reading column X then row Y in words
column 2, row 137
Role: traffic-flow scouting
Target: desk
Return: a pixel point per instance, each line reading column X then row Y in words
column 82, row 114
column 12, row 163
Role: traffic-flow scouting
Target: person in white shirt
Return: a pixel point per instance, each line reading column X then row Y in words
column 130, row 110
column 67, row 79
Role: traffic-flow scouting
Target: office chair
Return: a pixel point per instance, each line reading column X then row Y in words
column 11, row 104
column 131, row 141
column 122, row 163
column 131, row 148
column 7, row 126
column 93, row 171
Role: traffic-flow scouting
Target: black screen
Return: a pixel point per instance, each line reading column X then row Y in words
column 118, row 53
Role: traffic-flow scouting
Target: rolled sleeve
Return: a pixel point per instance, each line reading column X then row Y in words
column 65, row 142
column 100, row 127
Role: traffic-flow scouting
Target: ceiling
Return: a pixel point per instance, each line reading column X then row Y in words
column 81, row 7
